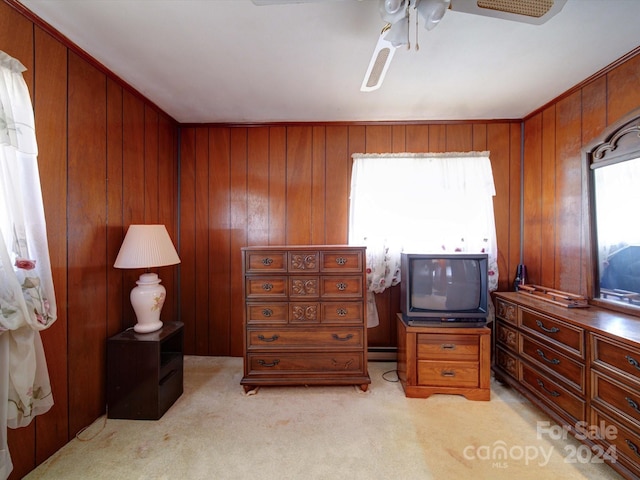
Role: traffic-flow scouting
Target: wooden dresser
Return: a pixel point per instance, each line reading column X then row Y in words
column 305, row 316
column 581, row 366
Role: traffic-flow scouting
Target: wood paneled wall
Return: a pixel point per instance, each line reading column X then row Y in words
column 555, row 226
column 273, row 185
column 107, row 158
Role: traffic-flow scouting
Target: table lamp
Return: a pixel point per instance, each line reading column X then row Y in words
column 147, row 246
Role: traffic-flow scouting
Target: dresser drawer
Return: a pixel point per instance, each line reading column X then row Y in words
column 304, row 312
column 551, row 360
column 265, row 261
column 342, row 261
column 316, row 338
column 267, row 313
column 342, row 312
column 448, row 347
column 448, row 374
column 303, row 262
column 562, row 334
column 341, row 286
column 626, row 442
column 615, row 396
column 554, row 395
column 507, row 336
column 336, row 363
column 506, row 311
column 616, row 356
column 507, row 362
column 303, row 287
column 266, row 287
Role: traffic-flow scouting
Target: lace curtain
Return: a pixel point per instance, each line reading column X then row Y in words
column 420, row 203
column 27, row 300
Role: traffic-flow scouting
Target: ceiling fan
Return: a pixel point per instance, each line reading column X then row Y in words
column 396, row 15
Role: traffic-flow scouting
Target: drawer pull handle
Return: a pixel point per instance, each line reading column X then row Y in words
column 541, row 385
column 265, row 364
column 265, row 339
column 267, row 286
column 548, row 330
column 341, row 312
column 267, row 312
column 448, row 373
column 633, row 447
column 553, row 361
column 632, row 404
column 267, row 261
column 632, row 361
column 341, row 260
column 341, row 286
column 448, row 346
column 342, row 339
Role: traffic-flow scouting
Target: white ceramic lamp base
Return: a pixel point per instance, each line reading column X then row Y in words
column 147, row 300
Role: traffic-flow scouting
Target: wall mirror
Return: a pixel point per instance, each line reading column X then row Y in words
column 614, row 207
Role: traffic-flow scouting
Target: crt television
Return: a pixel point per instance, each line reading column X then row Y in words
column 444, row 289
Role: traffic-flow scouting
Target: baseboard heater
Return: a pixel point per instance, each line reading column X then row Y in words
column 382, row 354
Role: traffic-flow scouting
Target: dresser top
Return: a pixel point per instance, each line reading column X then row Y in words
column 592, row 318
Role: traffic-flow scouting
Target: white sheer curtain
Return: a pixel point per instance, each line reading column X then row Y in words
column 27, row 300
column 420, row 203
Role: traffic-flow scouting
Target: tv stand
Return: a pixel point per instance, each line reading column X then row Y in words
column 440, row 359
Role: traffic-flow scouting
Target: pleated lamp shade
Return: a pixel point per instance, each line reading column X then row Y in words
column 146, row 246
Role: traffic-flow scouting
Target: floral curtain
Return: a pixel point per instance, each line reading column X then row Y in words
column 420, row 203
column 27, row 300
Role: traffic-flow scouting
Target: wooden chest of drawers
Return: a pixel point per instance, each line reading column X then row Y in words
column 305, row 316
column 447, row 360
column 581, row 366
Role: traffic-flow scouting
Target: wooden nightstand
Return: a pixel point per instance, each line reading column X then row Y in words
column 144, row 372
column 444, row 360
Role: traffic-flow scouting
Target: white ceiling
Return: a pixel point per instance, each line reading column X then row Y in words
column 231, row 61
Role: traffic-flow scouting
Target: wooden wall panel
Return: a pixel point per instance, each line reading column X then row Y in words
column 50, row 93
column 201, row 234
column 532, row 200
column 318, row 186
column 85, row 120
column 580, row 117
column 547, row 191
column 299, row 182
column 338, row 186
column 87, row 215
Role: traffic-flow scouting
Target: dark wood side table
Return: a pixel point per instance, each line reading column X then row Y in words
column 144, row 372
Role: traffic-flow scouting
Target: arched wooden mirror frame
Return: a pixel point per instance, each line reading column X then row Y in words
column 620, row 143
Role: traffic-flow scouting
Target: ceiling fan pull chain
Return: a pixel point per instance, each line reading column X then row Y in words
column 417, row 44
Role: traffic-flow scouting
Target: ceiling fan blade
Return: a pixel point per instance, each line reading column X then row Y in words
column 535, row 12
column 379, row 64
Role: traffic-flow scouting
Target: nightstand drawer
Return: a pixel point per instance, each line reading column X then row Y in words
column 448, row 374
column 448, row 347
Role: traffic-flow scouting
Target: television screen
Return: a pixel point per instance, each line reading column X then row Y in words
column 444, row 287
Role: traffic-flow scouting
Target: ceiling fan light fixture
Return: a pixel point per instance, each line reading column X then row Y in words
column 392, row 11
column 432, row 11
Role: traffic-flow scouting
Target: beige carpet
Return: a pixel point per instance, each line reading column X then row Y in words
column 215, row 431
